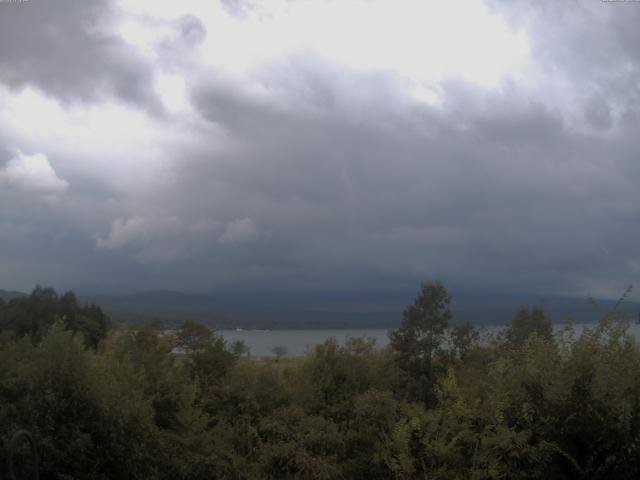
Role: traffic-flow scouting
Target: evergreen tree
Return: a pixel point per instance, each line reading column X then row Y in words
column 420, row 335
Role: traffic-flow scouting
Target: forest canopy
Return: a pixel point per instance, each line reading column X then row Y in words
column 443, row 400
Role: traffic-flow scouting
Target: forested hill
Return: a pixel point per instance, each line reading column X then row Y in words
column 309, row 310
column 7, row 295
column 330, row 309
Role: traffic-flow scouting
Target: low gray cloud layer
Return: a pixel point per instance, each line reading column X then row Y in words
column 308, row 173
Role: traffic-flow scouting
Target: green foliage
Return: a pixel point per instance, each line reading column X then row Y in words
column 528, row 322
column 240, row 348
column 137, row 403
column 464, row 338
column 84, row 428
column 297, row 445
column 33, row 316
column 332, row 375
column 419, row 337
column 207, row 357
column 194, row 337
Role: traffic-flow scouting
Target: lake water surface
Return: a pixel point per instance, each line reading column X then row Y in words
column 297, row 342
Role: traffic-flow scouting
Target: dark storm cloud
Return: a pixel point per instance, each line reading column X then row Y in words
column 308, row 174
column 488, row 187
column 65, row 48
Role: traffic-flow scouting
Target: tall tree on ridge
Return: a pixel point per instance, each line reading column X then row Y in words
column 420, row 334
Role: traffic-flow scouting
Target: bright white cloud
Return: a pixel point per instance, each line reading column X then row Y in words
column 173, row 93
column 32, row 174
column 423, row 41
column 108, row 142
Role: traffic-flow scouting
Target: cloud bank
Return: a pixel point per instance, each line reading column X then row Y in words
column 320, row 145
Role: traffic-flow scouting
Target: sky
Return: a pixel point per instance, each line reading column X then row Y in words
column 247, row 145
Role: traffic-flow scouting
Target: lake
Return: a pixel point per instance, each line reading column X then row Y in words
column 297, row 342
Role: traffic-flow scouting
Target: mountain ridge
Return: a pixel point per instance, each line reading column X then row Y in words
column 325, row 309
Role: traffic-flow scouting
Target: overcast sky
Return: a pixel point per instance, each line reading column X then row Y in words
column 327, row 145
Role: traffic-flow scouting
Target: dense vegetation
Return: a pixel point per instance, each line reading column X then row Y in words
column 441, row 402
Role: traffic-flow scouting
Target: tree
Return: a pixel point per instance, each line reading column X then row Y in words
column 33, row 316
column 279, row 351
column 297, row 445
column 92, row 323
column 420, row 335
column 90, row 417
column 208, row 358
column 194, row 336
column 463, row 338
column 240, row 348
column 527, row 322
